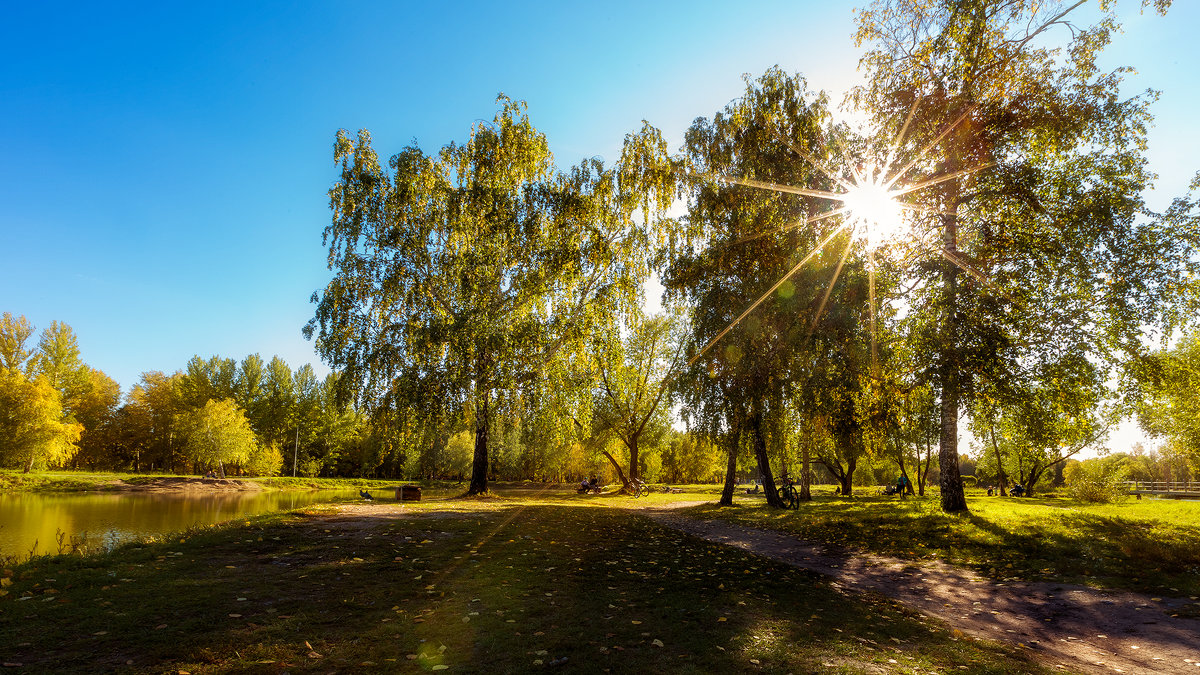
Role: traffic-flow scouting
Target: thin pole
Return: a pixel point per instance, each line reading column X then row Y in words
column 296, row 451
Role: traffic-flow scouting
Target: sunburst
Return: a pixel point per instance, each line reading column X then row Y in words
column 868, row 202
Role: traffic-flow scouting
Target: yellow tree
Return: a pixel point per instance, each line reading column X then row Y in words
column 32, row 430
column 14, row 332
column 218, row 433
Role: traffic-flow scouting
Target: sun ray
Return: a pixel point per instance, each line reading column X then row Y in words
column 918, row 208
column 874, row 213
column 859, row 176
column 941, row 179
column 891, row 155
column 969, row 269
column 812, row 328
column 871, row 291
column 766, row 185
column 813, row 161
column 924, row 151
column 790, row 226
column 764, row 296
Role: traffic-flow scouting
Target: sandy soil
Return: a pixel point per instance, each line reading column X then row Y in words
column 1072, row 627
column 189, row 484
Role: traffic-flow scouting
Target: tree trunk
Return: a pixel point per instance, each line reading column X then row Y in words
column 633, row 457
column 847, row 477
column 805, row 472
column 730, row 471
column 999, row 460
column 760, row 454
column 625, row 486
column 953, row 499
column 479, row 465
column 923, row 469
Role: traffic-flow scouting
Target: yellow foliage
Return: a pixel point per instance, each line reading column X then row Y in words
column 32, row 430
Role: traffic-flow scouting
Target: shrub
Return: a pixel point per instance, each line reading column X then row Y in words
column 1097, row 480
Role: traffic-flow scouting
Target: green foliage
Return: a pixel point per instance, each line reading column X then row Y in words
column 465, row 278
column 632, row 378
column 57, row 360
column 1097, row 480
column 264, row 459
column 1171, row 406
column 218, row 433
column 1045, row 253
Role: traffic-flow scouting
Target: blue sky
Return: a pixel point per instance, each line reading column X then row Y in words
column 164, row 166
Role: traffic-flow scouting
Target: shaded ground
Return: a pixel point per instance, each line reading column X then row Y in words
column 465, row 585
column 1075, row 627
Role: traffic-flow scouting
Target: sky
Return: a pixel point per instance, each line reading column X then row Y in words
column 164, row 166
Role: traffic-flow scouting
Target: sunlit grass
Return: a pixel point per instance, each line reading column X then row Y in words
column 1149, row 545
column 501, row 584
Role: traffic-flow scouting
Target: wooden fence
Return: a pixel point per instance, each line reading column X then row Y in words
column 1171, row 488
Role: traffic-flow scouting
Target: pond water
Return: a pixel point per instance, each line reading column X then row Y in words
column 33, row 522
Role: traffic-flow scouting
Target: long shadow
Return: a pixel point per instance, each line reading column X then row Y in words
column 480, row 591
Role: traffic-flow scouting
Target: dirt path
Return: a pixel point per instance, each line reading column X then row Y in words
column 1075, row 627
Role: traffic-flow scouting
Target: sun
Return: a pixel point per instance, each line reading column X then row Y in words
column 873, row 210
column 870, row 208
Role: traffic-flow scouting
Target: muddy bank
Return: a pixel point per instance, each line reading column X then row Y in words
column 187, row 484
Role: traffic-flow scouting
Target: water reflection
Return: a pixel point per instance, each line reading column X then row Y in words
column 27, row 520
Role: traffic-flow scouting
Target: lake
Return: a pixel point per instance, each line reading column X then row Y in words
column 36, row 519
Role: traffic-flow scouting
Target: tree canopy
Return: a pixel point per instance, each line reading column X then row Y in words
column 464, row 276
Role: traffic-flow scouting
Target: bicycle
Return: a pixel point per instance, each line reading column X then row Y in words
column 788, row 493
column 640, row 489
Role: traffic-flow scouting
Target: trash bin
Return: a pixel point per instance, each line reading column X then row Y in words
column 408, row 493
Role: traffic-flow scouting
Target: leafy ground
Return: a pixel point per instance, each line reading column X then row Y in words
column 1149, row 545
column 504, row 584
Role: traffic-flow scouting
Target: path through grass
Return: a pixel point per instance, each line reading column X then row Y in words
column 500, row 585
column 1149, row 545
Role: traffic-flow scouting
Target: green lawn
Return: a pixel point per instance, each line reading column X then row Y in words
column 505, row 584
column 91, row 481
column 1149, row 545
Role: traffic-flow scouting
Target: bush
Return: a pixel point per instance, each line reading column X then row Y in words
column 264, row 460
column 1097, row 480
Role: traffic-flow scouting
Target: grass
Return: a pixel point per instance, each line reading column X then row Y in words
column 68, row 481
column 1149, row 545
column 501, row 584
column 100, row 481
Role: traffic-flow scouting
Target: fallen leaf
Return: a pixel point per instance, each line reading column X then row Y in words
column 657, row 643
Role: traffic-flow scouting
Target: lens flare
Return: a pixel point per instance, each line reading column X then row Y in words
column 874, row 211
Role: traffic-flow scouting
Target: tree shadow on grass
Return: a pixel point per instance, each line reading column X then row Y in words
column 496, row 590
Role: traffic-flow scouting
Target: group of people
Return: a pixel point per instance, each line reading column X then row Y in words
column 1017, row 490
column 589, row 485
column 902, row 487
